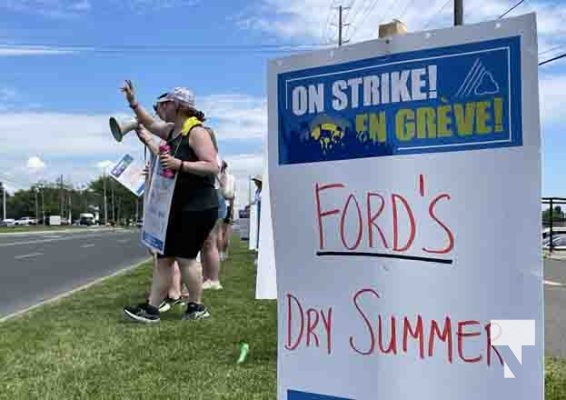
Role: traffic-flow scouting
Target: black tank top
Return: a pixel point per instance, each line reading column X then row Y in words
column 192, row 192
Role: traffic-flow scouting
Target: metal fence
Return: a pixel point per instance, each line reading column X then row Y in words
column 554, row 223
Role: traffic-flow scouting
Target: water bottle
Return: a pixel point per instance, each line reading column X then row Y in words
column 166, row 173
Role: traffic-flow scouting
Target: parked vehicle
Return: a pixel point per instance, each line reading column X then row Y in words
column 87, row 219
column 8, row 222
column 25, row 221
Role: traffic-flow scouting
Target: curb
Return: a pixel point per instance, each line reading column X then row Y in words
column 73, row 291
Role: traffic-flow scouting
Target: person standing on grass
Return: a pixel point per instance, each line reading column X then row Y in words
column 177, row 293
column 194, row 206
column 210, row 252
column 228, row 190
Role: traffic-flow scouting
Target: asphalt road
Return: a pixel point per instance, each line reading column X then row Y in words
column 35, row 267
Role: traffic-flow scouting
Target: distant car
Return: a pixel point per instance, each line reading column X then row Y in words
column 139, row 223
column 8, row 222
column 25, row 221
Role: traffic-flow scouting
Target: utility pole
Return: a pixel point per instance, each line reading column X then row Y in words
column 36, row 189
column 43, row 205
column 113, row 204
column 3, row 201
column 105, row 201
column 341, row 25
column 62, row 198
column 458, row 12
column 70, row 208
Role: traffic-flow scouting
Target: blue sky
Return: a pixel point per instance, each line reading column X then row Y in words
column 62, row 62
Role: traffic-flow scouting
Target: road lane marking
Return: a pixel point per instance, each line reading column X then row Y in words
column 56, row 240
column 30, row 255
column 123, row 240
column 83, row 287
column 86, row 246
column 552, row 283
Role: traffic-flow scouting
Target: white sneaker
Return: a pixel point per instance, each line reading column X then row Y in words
column 212, row 285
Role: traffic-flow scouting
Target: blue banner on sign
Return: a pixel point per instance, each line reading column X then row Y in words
column 152, row 241
column 296, row 395
column 453, row 98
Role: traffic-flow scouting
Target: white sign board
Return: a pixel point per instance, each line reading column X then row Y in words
column 129, row 173
column 157, row 208
column 415, row 172
column 266, row 279
column 253, row 227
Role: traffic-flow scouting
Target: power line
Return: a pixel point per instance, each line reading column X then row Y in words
column 367, row 12
column 552, row 59
column 324, row 36
column 265, row 48
column 435, row 14
column 512, row 8
column 409, row 3
column 359, row 9
column 551, row 49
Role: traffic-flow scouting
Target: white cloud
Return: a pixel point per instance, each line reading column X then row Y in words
column 236, row 116
column 7, row 94
column 80, row 146
column 288, row 19
column 552, row 88
column 155, row 5
column 35, row 164
column 15, row 50
column 48, row 8
column 104, row 165
column 70, row 144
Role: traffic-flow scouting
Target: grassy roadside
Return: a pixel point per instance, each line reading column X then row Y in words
column 81, row 348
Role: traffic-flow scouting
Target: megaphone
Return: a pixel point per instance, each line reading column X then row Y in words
column 119, row 129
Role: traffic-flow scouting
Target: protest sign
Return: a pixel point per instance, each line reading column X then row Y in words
column 129, row 173
column 253, row 227
column 266, row 279
column 414, row 167
column 156, row 211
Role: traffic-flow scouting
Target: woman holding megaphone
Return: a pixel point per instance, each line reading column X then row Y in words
column 194, row 206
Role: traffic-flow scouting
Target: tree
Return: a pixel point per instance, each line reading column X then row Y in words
column 555, row 214
column 122, row 204
column 58, row 198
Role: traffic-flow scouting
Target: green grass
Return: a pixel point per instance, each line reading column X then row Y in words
column 81, row 347
column 555, row 381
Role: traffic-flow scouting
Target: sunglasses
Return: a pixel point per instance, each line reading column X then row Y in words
column 156, row 105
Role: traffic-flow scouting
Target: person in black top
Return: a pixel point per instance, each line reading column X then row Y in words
column 194, row 207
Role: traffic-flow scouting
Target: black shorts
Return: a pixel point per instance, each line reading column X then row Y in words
column 187, row 231
column 228, row 219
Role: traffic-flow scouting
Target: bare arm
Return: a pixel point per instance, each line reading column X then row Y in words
column 156, row 127
column 201, row 143
column 145, row 137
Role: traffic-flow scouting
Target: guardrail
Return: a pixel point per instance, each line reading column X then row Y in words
column 555, row 221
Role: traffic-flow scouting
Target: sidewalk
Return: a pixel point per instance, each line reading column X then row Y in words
column 555, row 255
